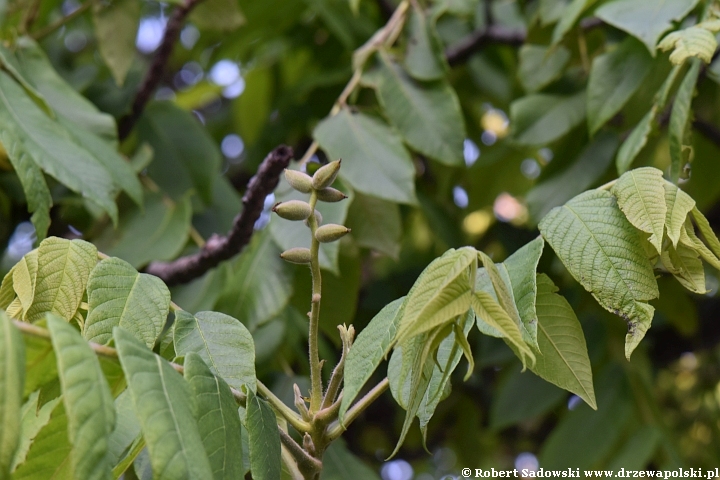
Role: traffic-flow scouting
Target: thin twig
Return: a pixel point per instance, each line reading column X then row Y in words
column 47, row 30
column 218, row 247
column 288, row 414
column 336, row 428
column 306, row 463
column 157, row 67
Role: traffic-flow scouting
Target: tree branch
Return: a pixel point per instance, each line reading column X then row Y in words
column 155, row 72
column 493, row 34
column 218, row 247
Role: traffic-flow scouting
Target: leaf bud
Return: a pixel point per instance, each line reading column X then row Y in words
column 330, row 195
column 300, row 181
column 325, row 175
column 293, row 210
column 297, row 255
column 331, row 232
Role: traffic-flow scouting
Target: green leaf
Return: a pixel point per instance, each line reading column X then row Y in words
column 570, row 16
column 564, row 359
column 640, row 195
column 53, row 149
column 369, row 348
column 646, row 21
column 591, row 164
column 375, row 161
column 116, row 26
column 217, row 418
column 690, row 239
column 690, row 42
column 12, row 380
column 541, row 65
column 424, row 59
column 441, row 292
column 635, row 142
column 218, row 15
column 24, row 278
column 252, row 110
column 637, row 452
column 679, row 204
column 10, row 64
column 163, row 404
column 7, row 292
column 157, row 232
column 427, row 115
column 127, row 428
column 221, row 341
column 120, row 296
column 34, row 419
column 600, row 248
column 87, row 399
column 521, row 397
column 264, row 439
column 340, row 464
column 63, row 270
column 685, row 264
column 541, row 118
column 680, row 119
column 185, row 155
column 40, row 366
column 707, row 232
column 375, row 224
column 614, row 78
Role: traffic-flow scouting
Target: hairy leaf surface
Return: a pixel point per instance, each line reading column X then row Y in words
column 263, row 439
column 12, row 380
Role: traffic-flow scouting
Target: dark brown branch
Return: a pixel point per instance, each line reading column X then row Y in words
column 155, row 72
column 218, row 247
column 493, row 34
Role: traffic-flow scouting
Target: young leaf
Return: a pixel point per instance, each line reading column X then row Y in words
column 690, row 239
column 600, row 248
column 263, row 439
column 63, row 270
column 427, row 115
column 640, row 195
column 690, row 42
column 368, row 350
column 632, row 16
column 541, row 65
column 163, row 404
column 685, row 264
column 116, row 26
column 24, row 275
column 541, row 118
column 423, row 59
column 7, row 291
column 707, row 232
column 34, row 419
column 679, row 120
column 614, row 77
column 217, row 418
column 88, row 402
column 120, row 296
column 375, row 161
column 679, row 204
column 12, row 379
column 221, row 341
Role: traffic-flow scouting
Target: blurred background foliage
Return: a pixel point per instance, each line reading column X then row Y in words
column 247, row 75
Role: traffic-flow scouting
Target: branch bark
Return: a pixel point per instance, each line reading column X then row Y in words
column 219, row 247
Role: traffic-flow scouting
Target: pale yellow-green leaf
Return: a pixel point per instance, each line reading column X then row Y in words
column 12, row 380
column 679, row 204
column 685, row 264
column 7, row 291
column 688, row 238
column 24, row 278
column 694, row 41
column 707, row 232
column 14, row 310
column 640, row 195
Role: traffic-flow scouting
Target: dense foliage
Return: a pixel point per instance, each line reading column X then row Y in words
column 152, row 320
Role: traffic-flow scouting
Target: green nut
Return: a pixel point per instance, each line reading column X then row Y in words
column 331, row 232
column 318, row 217
column 300, row 181
column 293, row 210
column 330, row 195
column 325, row 175
column 298, row 255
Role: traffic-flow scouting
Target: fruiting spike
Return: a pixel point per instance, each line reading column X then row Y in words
column 325, row 175
column 300, row 181
column 297, row 255
column 293, row 210
column 331, row 232
column 330, row 195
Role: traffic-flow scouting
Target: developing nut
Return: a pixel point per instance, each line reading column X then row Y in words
column 318, row 217
column 293, row 210
column 331, row 232
column 300, row 181
column 298, row 255
column 330, row 195
column 325, row 175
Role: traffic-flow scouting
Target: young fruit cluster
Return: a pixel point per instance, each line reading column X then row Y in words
column 318, row 186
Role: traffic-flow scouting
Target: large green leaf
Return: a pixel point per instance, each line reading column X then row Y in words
column 340, row 464
column 63, row 270
column 116, row 26
column 120, row 296
column 217, row 418
column 441, row 292
column 34, row 419
column 157, row 232
column 87, row 399
column 53, row 149
column 375, row 224
column 640, row 195
column 185, row 155
column 541, row 65
column 614, row 77
column 127, row 427
column 601, row 249
column 564, row 358
column 679, row 204
column 646, row 21
column 541, row 118
column 12, row 379
column 221, row 341
column 264, row 439
column 40, row 367
column 369, row 348
column 569, row 17
column 680, row 118
column 706, row 230
column 375, row 161
column 427, row 115
column 685, row 264
column 164, row 405
column 521, row 397
column 424, row 59
column 10, row 63
column 251, row 110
